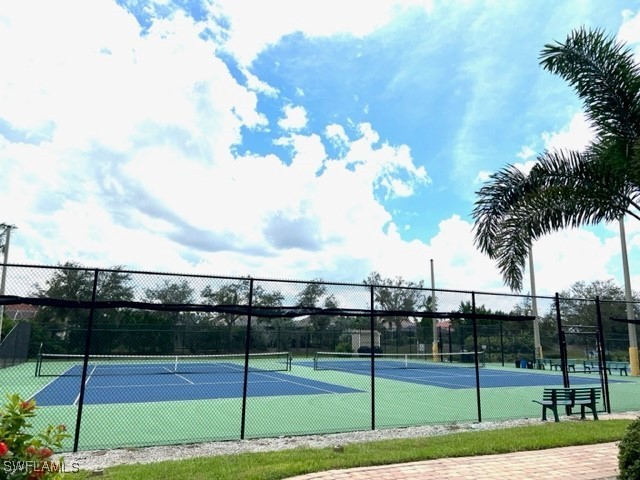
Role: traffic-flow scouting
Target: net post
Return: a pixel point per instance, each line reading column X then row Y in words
column 39, row 360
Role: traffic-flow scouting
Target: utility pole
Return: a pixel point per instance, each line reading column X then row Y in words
column 5, row 237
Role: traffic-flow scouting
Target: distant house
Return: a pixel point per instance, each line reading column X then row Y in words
column 445, row 323
column 20, row 311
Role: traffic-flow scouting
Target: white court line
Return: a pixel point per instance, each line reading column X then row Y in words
column 63, row 374
column 179, row 376
column 156, row 385
column 302, row 384
column 75, row 402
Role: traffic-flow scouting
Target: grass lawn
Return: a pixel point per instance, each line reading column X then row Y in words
column 288, row 463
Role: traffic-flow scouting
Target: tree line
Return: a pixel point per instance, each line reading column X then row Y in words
column 131, row 331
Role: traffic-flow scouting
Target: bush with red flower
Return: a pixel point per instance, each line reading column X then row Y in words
column 24, row 454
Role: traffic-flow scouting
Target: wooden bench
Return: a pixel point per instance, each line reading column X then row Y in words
column 585, row 397
column 622, row 367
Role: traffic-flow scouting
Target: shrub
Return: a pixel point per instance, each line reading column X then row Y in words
column 629, row 452
column 367, row 349
column 344, row 347
column 22, row 454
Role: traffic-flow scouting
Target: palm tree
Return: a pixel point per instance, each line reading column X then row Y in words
column 570, row 188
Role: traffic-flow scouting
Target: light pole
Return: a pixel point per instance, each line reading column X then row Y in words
column 4, row 247
column 633, row 341
column 434, row 345
column 534, row 308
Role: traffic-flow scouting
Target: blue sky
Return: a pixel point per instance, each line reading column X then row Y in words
column 289, row 139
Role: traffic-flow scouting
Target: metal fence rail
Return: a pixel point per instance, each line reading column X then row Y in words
column 129, row 358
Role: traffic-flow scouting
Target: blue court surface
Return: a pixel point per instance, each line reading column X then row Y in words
column 142, row 388
column 456, row 376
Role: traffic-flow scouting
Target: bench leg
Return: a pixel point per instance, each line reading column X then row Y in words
column 593, row 410
column 554, row 409
column 583, row 411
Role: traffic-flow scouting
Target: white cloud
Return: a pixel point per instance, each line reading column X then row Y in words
column 629, row 31
column 526, row 153
column 482, row 177
column 566, row 257
column 575, row 136
column 128, row 155
column 295, row 118
column 336, row 133
column 526, row 166
column 257, row 85
column 250, row 34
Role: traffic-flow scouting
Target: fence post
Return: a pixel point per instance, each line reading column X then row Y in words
column 562, row 344
column 373, row 363
column 247, row 348
column 475, row 353
column 85, row 363
column 602, row 359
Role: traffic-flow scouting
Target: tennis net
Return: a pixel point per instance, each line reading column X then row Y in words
column 362, row 361
column 53, row 364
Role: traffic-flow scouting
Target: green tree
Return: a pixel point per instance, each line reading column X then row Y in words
column 64, row 328
column 231, row 294
column 397, row 295
column 315, row 295
column 170, row 326
column 579, row 316
column 177, row 293
column 272, row 327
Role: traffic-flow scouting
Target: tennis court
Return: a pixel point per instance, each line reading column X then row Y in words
column 135, row 401
column 134, row 379
column 455, row 371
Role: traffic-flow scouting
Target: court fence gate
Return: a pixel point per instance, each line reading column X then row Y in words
column 126, row 358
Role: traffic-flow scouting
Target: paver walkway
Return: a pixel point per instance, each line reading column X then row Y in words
column 588, row 462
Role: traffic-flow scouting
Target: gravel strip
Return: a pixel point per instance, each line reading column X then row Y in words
column 100, row 459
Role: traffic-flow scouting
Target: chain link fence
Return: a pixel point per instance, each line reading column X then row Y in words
column 127, row 358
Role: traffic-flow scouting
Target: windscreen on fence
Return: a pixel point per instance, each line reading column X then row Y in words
column 14, row 348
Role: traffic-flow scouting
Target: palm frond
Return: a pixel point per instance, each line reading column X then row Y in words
column 563, row 190
column 604, row 75
column 495, row 199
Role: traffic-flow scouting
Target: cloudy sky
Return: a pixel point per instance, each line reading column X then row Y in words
column 287, row 138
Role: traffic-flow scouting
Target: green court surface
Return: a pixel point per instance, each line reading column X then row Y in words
column 398, row 403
